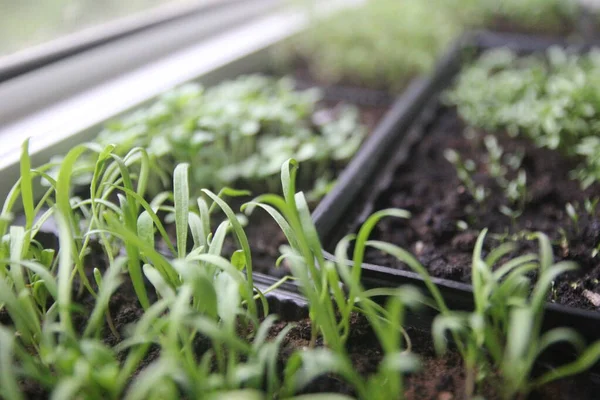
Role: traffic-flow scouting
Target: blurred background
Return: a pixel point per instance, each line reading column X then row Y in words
column 378, row 43
column 25, row 23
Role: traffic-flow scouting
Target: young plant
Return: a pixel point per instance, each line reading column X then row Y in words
column 464, row 171
column 321, row 282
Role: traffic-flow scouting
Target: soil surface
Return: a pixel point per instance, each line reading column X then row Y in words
column 427, row 185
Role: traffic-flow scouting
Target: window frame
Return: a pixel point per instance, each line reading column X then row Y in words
column 40, row 55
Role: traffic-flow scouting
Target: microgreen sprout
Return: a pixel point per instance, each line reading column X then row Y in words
column 464, row 171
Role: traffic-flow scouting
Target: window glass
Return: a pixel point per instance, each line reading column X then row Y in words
column 25, row 23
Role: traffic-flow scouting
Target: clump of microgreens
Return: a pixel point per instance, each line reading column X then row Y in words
column 501, row 339
column 552, row 100
column 237, row 132
column 321, row 282
column 200, row 294
column 499, row 166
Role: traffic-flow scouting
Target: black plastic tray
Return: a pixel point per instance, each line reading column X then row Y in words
column 369, row 173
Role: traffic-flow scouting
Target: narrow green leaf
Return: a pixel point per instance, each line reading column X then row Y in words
column 204, row 215
column 161, row 286
column 17, row 239
column 110, row 283
column 145, row 228
column 181, row 193
column 242, row 240
column 546, row 255
column 197, row 228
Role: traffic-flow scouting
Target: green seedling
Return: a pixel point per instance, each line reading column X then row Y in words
column 465, row 170
column 321, row 282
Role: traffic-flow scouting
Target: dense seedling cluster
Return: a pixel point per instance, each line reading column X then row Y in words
column 553, row 101
column 189, row 294
column 239, row 131
column 195, row 293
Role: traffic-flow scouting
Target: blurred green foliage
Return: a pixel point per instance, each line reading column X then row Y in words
column 380, row 44
column 385, row 43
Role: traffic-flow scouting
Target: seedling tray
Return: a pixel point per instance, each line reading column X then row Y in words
column 370, row 173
